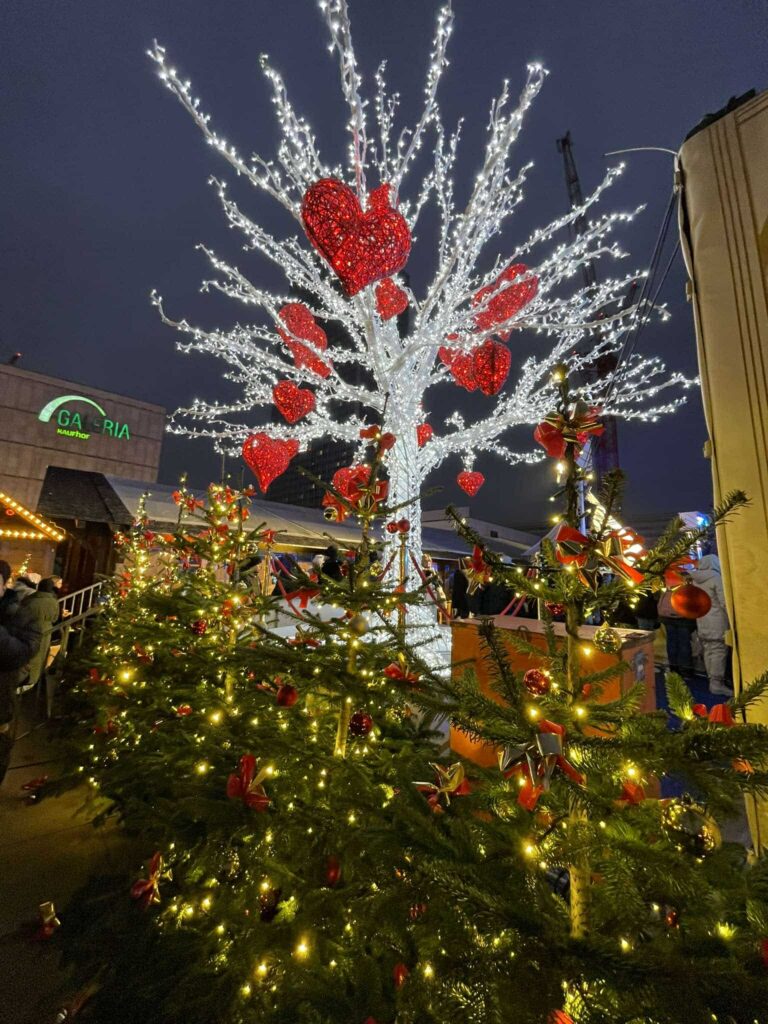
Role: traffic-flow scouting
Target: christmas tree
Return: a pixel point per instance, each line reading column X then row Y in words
column 612, row 899
column 354, row 227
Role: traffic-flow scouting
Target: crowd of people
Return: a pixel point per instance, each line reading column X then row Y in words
column 29, row 613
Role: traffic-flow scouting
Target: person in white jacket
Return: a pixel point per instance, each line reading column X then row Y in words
column 713, row 626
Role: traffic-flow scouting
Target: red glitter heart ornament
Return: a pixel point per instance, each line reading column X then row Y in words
column 423, row 434
column 461, row 365
column 268, row 457
column 391, row 300
column 291, row 401
column 505, row 301
column 301, row 324
column 490, row 363
column 470, row 482
column 361, row 247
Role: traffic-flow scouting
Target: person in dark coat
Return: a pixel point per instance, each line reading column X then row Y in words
column 43, row 606
column 332, row 565
column 459, row 598
column 20, row 639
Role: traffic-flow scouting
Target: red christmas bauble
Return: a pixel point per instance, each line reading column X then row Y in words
column 361, row 247
column 503, row 300
column 490, row 363
column 387, row 441
column 360, row 724
column 390, row 299
column 536, row 682
column 399, row 974
column 183, row 710
column 332, row 870
column 393, row 528
column 199, row 627
column 268, row 457
column 470, row 482
column 691, row 601
column 269, row 903
column 423, row 434
column 554, row 609
column 287, row 695
column 292, row 402
column 671, row 918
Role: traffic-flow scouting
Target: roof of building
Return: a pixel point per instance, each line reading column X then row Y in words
column 80, row 494
column 19, row 523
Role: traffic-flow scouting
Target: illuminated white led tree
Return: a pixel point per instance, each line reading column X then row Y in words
column 467, row 307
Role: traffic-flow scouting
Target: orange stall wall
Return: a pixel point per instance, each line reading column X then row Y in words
column 636, row 650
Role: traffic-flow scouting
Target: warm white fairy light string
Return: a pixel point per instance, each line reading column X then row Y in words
column 402, row 370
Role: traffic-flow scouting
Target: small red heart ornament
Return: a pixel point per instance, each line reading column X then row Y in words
column 301, row 324
column 470, row 482
column 268, row 457
column 291, row 401
column 507, row 299
column 490, row 364
column 423, row 434
column 391, row 300
column 361, row 247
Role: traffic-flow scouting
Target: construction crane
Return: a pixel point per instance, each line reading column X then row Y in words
column 605, row 449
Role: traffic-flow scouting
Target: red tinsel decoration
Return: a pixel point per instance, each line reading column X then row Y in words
column 391, row 300
column 490, row 364
column 505, row 301
column 268, row 457
column 470, row 482
column 301, row 324
column 423, row 434
column 361, row 247
column 291, row 401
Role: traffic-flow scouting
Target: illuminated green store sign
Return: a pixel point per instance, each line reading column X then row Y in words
column 75, row 423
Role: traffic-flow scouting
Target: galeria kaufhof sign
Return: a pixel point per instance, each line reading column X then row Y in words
column 80, row 417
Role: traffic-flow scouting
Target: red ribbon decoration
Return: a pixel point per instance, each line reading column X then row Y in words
column 246, row 785
column 353, row 484
column 147, row 890
column 718, row 714
column 574, row 548
column 401, row 674
column 555, row 432
column 536, row 762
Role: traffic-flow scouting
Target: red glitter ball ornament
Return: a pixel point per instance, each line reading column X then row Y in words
column 423, row 434
column 503, row 300
column 691, row 602
column 361, row 247
column 268, row 457
column 287, row 695
column 360, row 724
column 399, row 974
column 332, row 871
column 536, row 682
column 302, row 325
column 391, row 300
column 470, row 482
column 292, row 402
column 491, row 362
column 199, row 627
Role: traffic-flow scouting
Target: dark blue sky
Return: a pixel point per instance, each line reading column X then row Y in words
column 103, row 177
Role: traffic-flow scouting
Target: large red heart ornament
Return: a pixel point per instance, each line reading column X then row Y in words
column 268, row 457
column 361, row 247
column 470, row 482
column 291, row 401
column 490, row 363
column 301, row 324
column 507, row 299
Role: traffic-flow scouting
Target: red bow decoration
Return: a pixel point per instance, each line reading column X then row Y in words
column 555, row 432
column 247, row 786
column 632, row 793
column 353, row 483
column 450, row 781
column 398, row 670
column 267, row 537
column 674, row 574
column 537, row 762
column 48, row 921
column 147, row 890
column 718, row 713
column 478, row 572
column 574, row 548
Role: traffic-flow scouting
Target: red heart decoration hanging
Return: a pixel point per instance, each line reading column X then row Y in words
column 490, row 363
column 291, row 401
column 301, row 324
column 461, row 365
column 268, row 457
column 391, row 300
column 506, row 301
column 361, row 247
column 423, row 434
column 470, row 482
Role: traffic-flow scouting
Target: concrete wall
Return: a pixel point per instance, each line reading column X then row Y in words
column 28, row 446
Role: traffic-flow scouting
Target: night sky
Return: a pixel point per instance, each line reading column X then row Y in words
column 103, row 178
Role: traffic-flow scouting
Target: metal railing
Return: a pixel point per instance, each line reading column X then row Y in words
column 80, row 602
column 74, row 609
